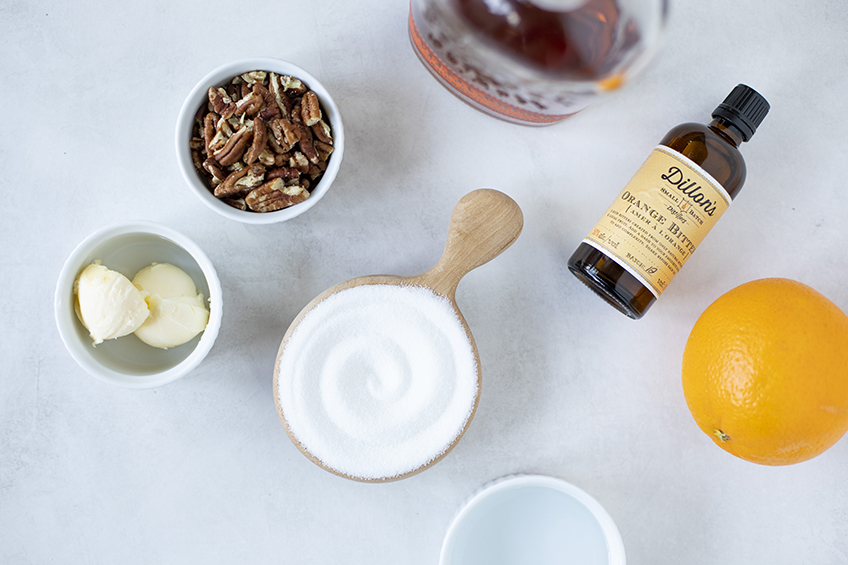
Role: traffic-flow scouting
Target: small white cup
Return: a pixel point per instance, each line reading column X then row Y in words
column 532, row 519
column 127, row 248
column 221, row 76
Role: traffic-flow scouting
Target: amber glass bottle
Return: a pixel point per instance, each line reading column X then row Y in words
column 535, row 62
column 667, row 208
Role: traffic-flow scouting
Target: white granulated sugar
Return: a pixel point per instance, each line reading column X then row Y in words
column 378, row 380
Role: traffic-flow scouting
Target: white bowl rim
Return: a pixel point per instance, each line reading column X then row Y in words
column 615, row 545
column 64, row 315
column 185, row 122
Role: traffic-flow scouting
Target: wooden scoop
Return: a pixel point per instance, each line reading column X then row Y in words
column 483, row 224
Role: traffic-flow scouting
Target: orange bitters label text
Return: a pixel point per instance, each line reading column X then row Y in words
column 660, row 218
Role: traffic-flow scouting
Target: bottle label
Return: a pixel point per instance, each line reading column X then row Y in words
column 660, row 218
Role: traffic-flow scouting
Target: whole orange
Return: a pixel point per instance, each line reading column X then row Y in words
column 765, row 372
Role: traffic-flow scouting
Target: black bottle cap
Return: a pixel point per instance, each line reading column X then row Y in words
column 745, row 108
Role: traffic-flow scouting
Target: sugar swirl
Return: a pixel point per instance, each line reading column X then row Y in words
column 378, row 380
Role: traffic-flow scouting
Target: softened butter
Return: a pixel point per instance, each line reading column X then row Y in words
column 108, row 304
column 177, row 309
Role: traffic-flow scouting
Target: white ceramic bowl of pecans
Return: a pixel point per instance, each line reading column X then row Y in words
column 259, row 140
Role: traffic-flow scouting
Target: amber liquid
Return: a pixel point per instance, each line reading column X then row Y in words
column 715, row 148
column 583, row 44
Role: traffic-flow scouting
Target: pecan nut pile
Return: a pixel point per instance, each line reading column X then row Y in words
column 261, row 141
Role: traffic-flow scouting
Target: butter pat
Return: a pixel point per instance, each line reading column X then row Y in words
column 108, row 304
column 177, row 310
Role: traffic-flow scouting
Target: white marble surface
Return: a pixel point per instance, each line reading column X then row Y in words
column 200, row 471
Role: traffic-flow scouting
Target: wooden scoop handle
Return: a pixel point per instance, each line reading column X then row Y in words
column 483, row 224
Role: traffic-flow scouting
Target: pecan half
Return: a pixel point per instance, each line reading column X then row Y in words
column 209, row 131
column 296, row 114
column 277, row 137
column 260, row 139
column 267, row 158
column 310, row 110
column 234, row 148
column 223, row 132
column 254, row 77
column 250, row 104
column 292, row 85
column 211, row 165
column 272, row 139
column 282, row 158
column 270, row 110
column 237, row 203
column 254, row 177
column 233, row 122
column 228, row 188
column 280, row 97
column 322, row 132
column 314, row 172
column 275, row 195
column 299, row 162
column 324, row 149
column 285, row 133
column 241, row 181
column 286, row 173
column 305, row 144
column 291, row 131
column 221, row 102
column 196, row 159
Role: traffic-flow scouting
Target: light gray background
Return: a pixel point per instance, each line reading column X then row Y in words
column 200, row 471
